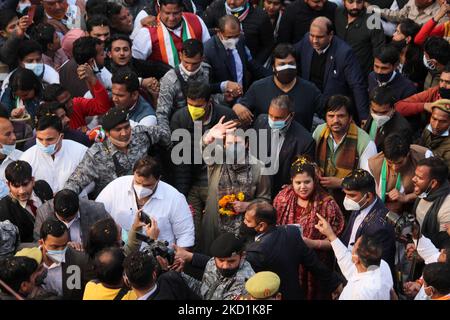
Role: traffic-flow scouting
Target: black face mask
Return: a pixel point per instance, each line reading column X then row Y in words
column 399, row 44
column 444, row 93
column 286, row 76
column 228, row 273
column 383, row 77
column 245, row 231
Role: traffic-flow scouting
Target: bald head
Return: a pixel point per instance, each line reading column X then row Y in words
column 7, row 136
column 320, row 33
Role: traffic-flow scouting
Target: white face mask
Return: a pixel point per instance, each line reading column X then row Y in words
column 351, row 205
column 230, row 44
column 190, row 73
column 380, row 120
column 142, row 192
column 425, row 194
column 428, row 64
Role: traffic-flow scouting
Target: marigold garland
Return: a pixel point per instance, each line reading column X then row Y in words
column 225, row 203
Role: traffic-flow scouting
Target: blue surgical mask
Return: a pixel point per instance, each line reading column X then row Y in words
column 124, row 236
column 37, row 68
column 277, row 125
column 7, row 149
column 50, row 149
column 57, row 255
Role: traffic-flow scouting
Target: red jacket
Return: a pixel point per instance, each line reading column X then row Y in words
column 415, row 104
column 83, row 107
column 429, row 29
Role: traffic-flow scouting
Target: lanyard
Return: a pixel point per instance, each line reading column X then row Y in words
column 383, row 179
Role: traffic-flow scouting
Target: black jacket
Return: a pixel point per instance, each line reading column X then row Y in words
column 258, row 30
column 297, row 18
column 10, row 209
column 396, row 124
column 282, row 251
column 171, row 286
column 401, row 86
column 298, row 141
column 71, row 275
column 184, row 174
column 216, row 56
column 364, row 41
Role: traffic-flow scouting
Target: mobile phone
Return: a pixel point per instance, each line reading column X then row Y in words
column 31, row 12
column 145, row 218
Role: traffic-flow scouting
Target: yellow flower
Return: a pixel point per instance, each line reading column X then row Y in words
column 241, row 196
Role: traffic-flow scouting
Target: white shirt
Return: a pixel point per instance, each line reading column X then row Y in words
column 427, row 250
column 53, row 280
column 55, row 171
column 142, row 43
column 74, row 228
column 444, row 134
column 374, row 284
column 148, row 294
column 358, row 220
column 167, row 206
column 36, row 202
column 239, row 70
column 14, row 156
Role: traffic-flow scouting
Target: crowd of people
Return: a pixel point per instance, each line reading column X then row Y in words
column 224, row 149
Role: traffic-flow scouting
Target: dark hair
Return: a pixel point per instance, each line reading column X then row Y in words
column 369, row 250
column 43, row 34
column 147, row 167
column 4, row 112
column 282, row 51
column 53, row 227
column 18, row 172
column 49, row 108
column 113, row 9
column 66, row 203
column 264, row 212
column 228, row 20
column 446, row 68
column 166, row 2
column 53, row 91
column 26, row 47
column 15, row 270
column 139, row 268
column 96, row 7
column 49, row 121
column 108, row 265
column 116, row 37
column 438, row 168
column 396, row 146
column 303, row 164
column 126, row 77
column 95, row 21
column 6, row 16
column 192, row 47
column 102, row 234
column 446, row 247
column 338, row 101
column 84, row 49
column 24, row 79
column 382, row 96
column 409, row 28
column 437, row 275
column 359, row 180
column 198, row 90
column 387, row 54
column 283, row 101
column 437, row 48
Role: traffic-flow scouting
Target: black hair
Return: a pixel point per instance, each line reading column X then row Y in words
column 116, row 37
column 437, row 275
column 26, row 47
column 409, row 28
column 382, row 96
column 396, row 145
column 438, row 168
column 338, row 101
column 303, row 164
column 282, row 51
column 18, row 172
column 139, row 269
column 166, row 2
column 24, row 79
column 198, row 90
column 128, row 78
column 49, row 121
column 96, row 7
column 96, row 21
column 84, row 49
column 15, row 270
column 6, row 16
column 49, row 108
column 108, row 265
column 359, row 180
column 53, row 227
column 4, row 111
column 226, row 20
column 43, row 34
column 369, row 251
column 437, row 48
column 192, row 48
column 113, row 9
column 446, row 68
column 66, row 203
column 283, row 101
column 387, row 54
column 148, row 167
column 264, row 212
column 52, row 92
column 102, row 234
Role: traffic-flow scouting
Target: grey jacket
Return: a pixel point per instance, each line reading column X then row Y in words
column 90, row 213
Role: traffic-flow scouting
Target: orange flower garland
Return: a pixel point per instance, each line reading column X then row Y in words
column 225, row 204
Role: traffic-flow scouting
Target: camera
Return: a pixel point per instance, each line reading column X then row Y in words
column 405, row 226
column 157, row 248
column 143, row 217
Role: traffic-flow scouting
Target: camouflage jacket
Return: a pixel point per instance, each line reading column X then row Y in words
column 98, row 165
column 215, row 287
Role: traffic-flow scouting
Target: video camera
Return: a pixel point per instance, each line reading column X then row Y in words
column 405, row 226
column 157, row 248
